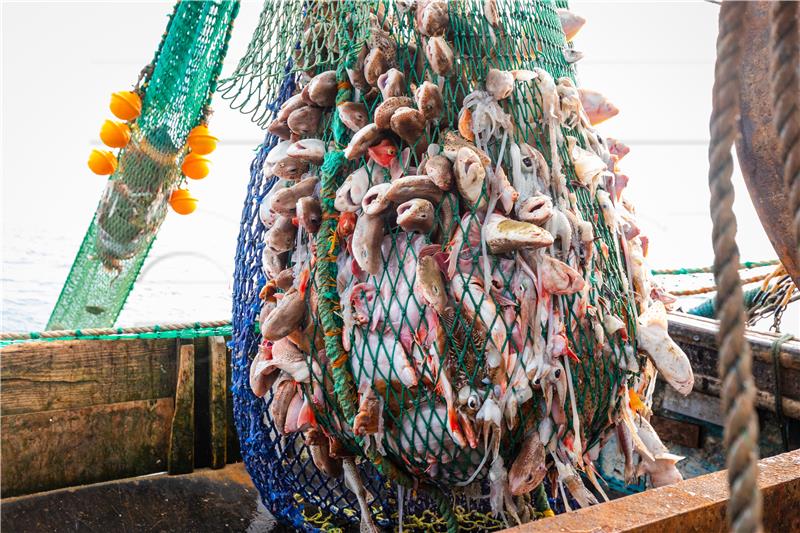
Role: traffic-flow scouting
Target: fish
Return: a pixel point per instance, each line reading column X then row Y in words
column 429, row 284
column 319, row 449
column 428, row 98
column 617, row 147
column 662, row 469
column 415, row 215
column 354, row 115
column 408, row 124
column 286, row 317
column 291, row 424
column 309, row 214
column 558, row 277
column 375, row 201
column 284, row 202
column 440, row 55
column 355, row 186
column 383, row 154
column 280, row 128
column 272, row 261
column 625, row 443
column 506, row 194
column 453, row 142
column 571, row 23
column 261, row 377
column 361, row 141
column 505, row 235
column 470, row 175
column 589, row 167
column 356, row 72
column 465, row 124
column 354, row 483
column 367, row 239
column 292, row 103
column 597, row 107
column 499, row 83
column 528, row 469
column 285, row 279
column 440, row 171
column 409, row 187
column 392, row 83
column 369, row 419
column 653, row 339
column 383, row 113
column 571, row 55
column 308, row 150
column 536, row 209
column 322, row 89
column 375, row 64
column 304, row 121
column 288, row 358
column 432, row 18
column 490, row 12
column 283, row 392
column 380, row 359
column 281, row 235
column 290, row 168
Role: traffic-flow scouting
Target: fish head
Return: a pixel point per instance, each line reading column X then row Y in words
column 528, row 469
column 428, row 97
column 383, row 153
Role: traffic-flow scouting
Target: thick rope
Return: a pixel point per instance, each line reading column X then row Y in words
column 98, row 332
column 705, row 290
column 735, row 359
column 786, row 100
column 746, row 265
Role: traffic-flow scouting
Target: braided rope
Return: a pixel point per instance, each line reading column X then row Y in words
column 97, row 332
column 786, row 99
column 746, row 265
column 705, row 290
column 735, row 359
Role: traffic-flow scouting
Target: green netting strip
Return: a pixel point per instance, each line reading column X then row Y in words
column 177, row 88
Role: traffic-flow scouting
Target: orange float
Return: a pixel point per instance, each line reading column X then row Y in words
column 102, row 162
column 115, row 134
column 195, row 166
column 126, row 105
column 201, row 141
column 182, row 202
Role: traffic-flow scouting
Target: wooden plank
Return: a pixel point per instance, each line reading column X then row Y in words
column 698, row 338
column 44, row 376
column 52, row 449
column 694, row 505
column 181, row 440
column 218, row 400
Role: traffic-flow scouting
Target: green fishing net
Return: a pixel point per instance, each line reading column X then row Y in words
column 177, row 87
column 369, row 335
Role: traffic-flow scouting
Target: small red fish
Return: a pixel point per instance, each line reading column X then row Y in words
column 346, row 225
column 383, row 153
column 305, row 278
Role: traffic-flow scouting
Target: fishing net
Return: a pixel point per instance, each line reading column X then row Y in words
column 176, row 89
column 371, row 339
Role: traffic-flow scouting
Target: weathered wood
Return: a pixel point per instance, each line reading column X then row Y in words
column 43, row 376
column 203, row 501
column 181, row 438
column 698, row 338
column 51, row 449
column 695, row 505
column 676, row 431
column 218, row 400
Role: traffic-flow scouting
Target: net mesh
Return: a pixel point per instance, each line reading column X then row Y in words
column 177, row 88
column 298, row 40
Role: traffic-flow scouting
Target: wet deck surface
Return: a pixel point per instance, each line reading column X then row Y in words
column 204, row 501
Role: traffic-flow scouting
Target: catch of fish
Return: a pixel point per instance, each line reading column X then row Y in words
column 499, row 320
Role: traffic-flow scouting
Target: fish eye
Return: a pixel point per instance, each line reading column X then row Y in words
column 558, row 373
column 529, row 479
column 527, row 162
column 472, row 402
column 537, row 381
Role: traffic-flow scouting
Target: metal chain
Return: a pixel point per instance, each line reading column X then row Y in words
column 786, row 99
column 735, row 360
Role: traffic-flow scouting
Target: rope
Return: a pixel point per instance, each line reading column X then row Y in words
column 712, row 288
column 735, row 359
column 785, row 91
column 776, row 370
column 97, row 332
column 705, row 270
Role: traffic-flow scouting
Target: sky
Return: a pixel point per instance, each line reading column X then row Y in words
column 62, row 60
